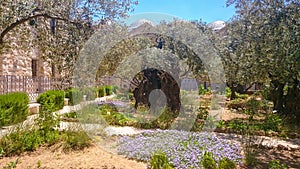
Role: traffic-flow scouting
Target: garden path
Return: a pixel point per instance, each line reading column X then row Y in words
column 264, row 141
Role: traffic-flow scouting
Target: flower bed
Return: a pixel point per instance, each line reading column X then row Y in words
column 184, row 149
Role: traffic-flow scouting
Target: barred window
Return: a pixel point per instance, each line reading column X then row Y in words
column 52, row 25
column 53, row 70
column 34, row 67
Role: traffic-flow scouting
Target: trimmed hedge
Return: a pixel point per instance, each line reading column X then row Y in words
column 13, row 108
column 52, row 100
column 101, row 91
column 105, row 90
column 75, row 96
column 109, row 90
column 90, row 93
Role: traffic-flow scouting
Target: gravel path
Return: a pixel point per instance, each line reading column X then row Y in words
column 263, row 141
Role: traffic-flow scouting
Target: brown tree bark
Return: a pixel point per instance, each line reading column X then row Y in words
column 277, row 95
column 292, row 101
column 157, row 79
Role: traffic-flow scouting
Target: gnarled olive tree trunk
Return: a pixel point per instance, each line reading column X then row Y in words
column 288, row 103
column 157, row 79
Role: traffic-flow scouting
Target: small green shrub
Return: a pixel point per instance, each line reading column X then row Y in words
column 227, row 92
column 130, row 96
column 50, row 136
column 116, row 88
column 266, row 92
column 13, row 108
column 107, row 107
column 203, row 91
column 113, row 117
column 208, row 92
column 90, row 114
column 17, row 142
column 28, row 140
column 276, row 164
column 252, row 106
column 43, row 132
column 109, row 90
column 23, row 140
column 165, row 119
column 11, row 164
column 238, row 95
column 46, row 123
column 272, row 122
column 72, row 115
column 250, row 158
column 200, row 119
column 75, row 140
column 101, row 91
column 208, row 162
column 52, row 100
column 38, row 164
column 242, row 96
column 221, row 124
column 160, row 161
column 226, row 163
column 105, row 90
column 238, row 125
column 75, row 95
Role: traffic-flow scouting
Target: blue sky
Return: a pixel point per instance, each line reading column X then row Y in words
column 207, row 10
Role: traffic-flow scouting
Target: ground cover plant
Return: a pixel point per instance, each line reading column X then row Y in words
column 184, row 149
column 13, row 108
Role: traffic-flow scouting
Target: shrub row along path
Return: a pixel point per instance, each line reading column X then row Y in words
column 86, row 158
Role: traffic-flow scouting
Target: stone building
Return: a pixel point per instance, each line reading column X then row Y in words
column 22, row 59
column 21, row 67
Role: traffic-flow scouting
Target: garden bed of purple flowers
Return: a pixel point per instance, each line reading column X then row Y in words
column 184, row 149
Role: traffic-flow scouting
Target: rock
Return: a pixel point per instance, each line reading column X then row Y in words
column 259, row 133
column 220, row 130
column 281, row 147
column 293, row 135
column 272, row 134
column 34, row 108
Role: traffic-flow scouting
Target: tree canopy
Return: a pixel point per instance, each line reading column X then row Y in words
column 264, row 39
column 57, row 29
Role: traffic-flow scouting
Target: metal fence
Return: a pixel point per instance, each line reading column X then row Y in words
column 33, row 86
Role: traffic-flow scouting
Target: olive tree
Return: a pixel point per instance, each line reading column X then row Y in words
column 271, row 43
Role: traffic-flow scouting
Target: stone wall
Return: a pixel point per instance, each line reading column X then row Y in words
column 17, row 58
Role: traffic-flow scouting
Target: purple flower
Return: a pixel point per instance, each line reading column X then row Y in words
column 184, row 149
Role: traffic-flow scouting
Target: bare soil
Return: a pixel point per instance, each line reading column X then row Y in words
column 54, row 158
column 264, row 156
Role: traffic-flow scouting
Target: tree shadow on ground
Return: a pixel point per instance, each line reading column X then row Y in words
column 290, row 158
